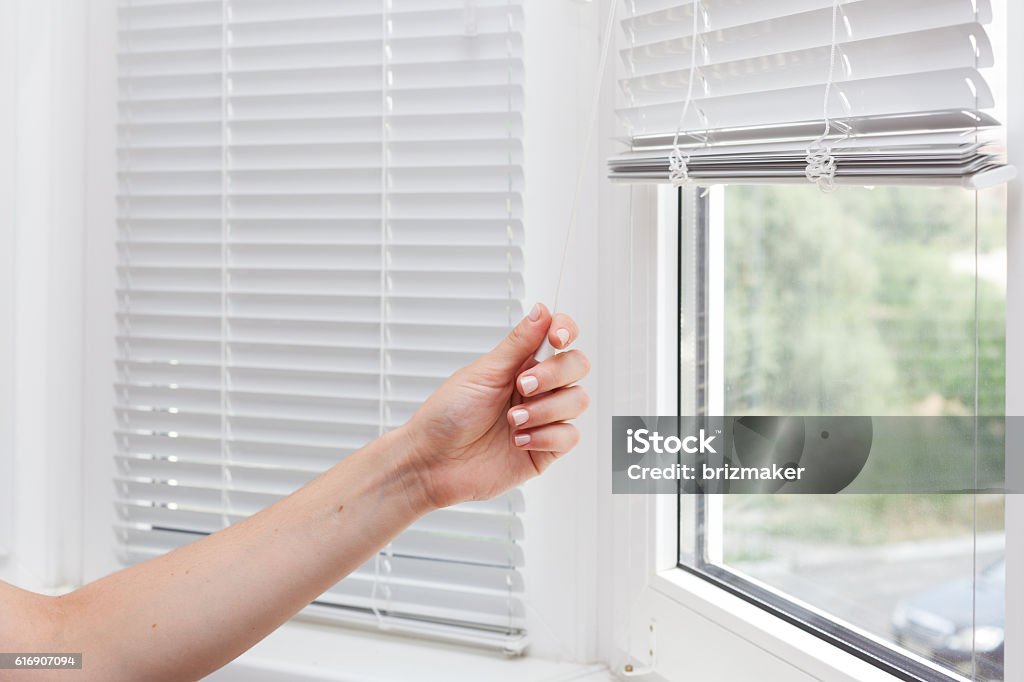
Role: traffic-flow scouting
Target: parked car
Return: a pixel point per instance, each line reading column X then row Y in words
column 946, row 622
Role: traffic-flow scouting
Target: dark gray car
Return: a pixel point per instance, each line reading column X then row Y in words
column 947, row 622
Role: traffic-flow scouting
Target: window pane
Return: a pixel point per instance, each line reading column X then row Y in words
column 862, row 302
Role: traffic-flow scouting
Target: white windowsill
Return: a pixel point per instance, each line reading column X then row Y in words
column 803, row 651
column 311, row 652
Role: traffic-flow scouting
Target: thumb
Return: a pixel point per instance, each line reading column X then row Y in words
column 521, row 343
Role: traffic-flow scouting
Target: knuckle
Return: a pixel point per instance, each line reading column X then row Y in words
column 581, row 358
column 518, row 335
column 584, row 399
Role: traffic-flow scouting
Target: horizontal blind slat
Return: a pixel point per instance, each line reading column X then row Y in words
column 939, row 49
column 919, row 92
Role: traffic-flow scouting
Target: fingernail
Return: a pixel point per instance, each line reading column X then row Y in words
column 528, row 384
column 563, row 336
column 534, row 312
column 522, row 439
column 520, row 417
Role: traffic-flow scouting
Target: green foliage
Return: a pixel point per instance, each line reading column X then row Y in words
column 859, row 302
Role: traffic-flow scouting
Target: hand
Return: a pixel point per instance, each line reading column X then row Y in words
column 502, row 419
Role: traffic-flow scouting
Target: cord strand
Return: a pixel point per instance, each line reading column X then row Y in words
column 821, row 165
column 678, row 160
column 591, row 126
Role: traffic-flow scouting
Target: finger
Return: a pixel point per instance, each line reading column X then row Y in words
column 557, row 371
column 557, row 406
column 560, row 438
column 520, row 344
column 563, row 331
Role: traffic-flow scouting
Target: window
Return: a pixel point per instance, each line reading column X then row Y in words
column 804, row 324
column 319, row 220
column 860, row 302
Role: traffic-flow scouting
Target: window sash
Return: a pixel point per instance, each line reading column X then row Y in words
column 698, row 530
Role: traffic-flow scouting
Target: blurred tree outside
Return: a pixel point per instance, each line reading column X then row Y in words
column 861, row 302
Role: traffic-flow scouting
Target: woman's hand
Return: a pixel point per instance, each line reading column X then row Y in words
column 502, row 419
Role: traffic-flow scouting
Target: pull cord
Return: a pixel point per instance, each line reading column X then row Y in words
column 678, row 160
column 821, row 165
column 581, row 172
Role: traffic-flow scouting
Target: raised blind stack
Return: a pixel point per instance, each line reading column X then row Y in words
column 908, row 98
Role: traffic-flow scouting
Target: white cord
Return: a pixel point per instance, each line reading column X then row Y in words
column 591, row 126
column 821, row 165
column 678, row 160
column 546, row 350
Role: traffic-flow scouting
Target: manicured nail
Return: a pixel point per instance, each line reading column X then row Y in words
column 522, row 439
column 528, row 385
column 520, row 417
column 563, row 336
column 534, row 312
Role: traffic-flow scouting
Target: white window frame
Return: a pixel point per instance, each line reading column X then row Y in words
column 41, row 237
column 698, row 616
column 672, row 624
column 561, row 47
column 1014, row 626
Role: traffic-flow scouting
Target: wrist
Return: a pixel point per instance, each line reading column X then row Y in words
column 409, row 468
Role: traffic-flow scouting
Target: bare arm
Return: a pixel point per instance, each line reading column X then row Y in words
column 187, row 613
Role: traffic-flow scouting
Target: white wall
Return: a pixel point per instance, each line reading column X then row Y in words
column 8, row 141
column 46, row 225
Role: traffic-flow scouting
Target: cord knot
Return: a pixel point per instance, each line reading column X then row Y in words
column 678, row 168
column 821, row 165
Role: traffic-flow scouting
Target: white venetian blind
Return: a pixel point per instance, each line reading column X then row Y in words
column 908, row 98
column 320, row 219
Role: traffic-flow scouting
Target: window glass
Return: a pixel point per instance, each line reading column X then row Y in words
column 863, row 302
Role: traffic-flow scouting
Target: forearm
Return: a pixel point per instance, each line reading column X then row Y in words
column 189, row 612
